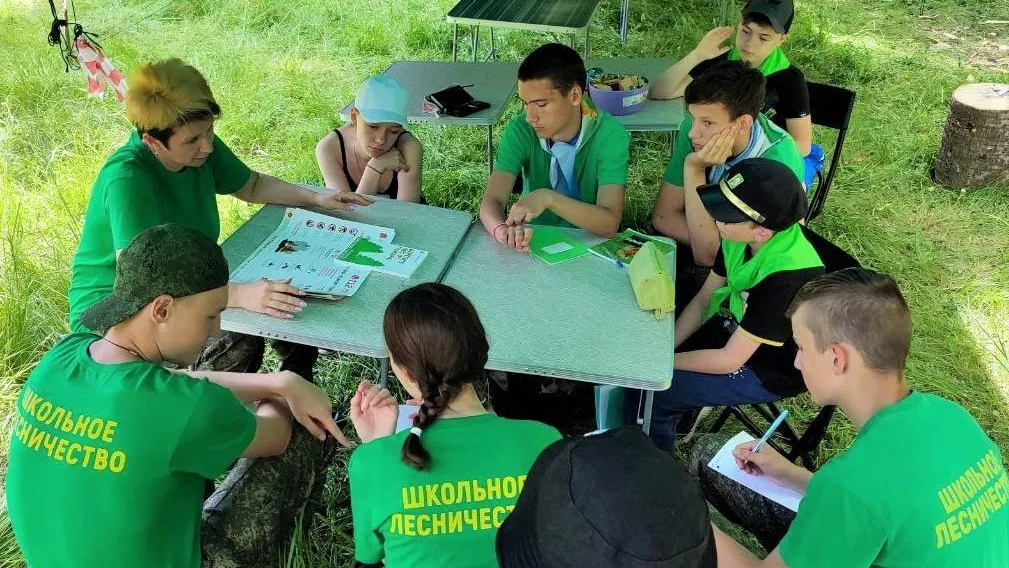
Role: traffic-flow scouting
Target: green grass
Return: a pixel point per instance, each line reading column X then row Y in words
column 282, row 70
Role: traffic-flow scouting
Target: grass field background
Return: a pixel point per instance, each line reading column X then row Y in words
column 282, row 70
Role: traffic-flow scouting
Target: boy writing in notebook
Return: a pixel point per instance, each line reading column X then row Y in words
column 921, row 484
column 572, row 157
column 723, row 127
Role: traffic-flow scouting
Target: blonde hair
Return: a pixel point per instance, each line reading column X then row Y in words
column 166, row 94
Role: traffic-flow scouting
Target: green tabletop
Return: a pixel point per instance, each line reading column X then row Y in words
column 493, row 82
column 574, row 320
column 656, row 116
column 353, row 325
column 562, row 16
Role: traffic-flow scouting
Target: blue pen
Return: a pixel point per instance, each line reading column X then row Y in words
column 770, row 431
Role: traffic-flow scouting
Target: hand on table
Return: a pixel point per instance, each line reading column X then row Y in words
column 374, row 411
column 276, row 298
column 391, row 160
column 711, row 46
column 515, row 237
column 340, row 200
column 310, row 406
column 530, row 207
column 717, row 150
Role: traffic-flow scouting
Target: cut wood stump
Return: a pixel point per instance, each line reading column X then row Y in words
column 975, row 144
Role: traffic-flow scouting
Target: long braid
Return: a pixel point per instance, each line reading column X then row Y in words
column 414, row 454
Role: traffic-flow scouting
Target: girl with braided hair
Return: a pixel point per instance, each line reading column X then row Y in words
column 435, row 494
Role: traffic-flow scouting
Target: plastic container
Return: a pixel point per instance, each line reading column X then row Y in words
column 620, row 103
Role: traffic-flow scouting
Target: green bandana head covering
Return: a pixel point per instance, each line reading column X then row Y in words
column 166, row 259
column 787, row 250
column 774, row 62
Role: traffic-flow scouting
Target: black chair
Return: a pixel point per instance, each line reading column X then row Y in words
column 830, row 107
column 798, row 446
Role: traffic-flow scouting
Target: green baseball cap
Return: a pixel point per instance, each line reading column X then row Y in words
column 164, row 260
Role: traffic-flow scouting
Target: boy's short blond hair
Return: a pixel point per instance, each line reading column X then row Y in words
column 166, row 94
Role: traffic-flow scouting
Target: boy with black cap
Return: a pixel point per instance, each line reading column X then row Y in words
column 110, row 451
column 734, row 343
column 921, row 485
column 763, row 30
column 610, row 499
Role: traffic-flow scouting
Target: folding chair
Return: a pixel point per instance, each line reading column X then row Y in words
column 830, row 107
column 798, row 446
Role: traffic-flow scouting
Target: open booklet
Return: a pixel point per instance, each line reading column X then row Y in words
column 326, row 256
column 724, row 463
column 625, row 244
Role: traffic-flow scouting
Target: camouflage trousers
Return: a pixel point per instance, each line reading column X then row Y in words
column 765, row 519
column 250, row 518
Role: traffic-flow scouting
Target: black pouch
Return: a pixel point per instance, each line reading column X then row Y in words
column 455, row 101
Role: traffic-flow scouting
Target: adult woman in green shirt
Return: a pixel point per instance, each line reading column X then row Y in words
column 171, row 170
column 434, row 495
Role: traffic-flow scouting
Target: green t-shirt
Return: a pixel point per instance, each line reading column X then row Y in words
column 601, row 157
column 448, row 514
column 108, row 462
column 134, row 192
column 922, row 486
column 782, row 149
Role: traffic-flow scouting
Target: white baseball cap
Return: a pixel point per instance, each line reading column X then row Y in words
column 382, row 99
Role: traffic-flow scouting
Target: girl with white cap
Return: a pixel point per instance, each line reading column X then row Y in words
column 374, row 154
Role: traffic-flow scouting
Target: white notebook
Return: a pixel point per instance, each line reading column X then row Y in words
column 724, row 463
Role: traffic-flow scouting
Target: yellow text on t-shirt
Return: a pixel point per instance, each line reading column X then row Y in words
column 433, row 523
column 971, row 499
column 92, row 446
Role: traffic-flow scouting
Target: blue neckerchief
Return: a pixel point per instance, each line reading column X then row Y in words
column 562, row 167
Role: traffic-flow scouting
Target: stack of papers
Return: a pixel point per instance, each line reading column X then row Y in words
column 326, row 256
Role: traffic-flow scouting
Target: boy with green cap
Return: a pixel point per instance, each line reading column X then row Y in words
column 764, row 28
column 734, row 344
column 572, row 157
column 110, row 451
column 921, row 484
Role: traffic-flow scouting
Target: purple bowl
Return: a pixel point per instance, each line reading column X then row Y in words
column 619, row 103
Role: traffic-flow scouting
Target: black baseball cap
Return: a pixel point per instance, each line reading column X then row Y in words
column 166, row 259
column 612, row 499
column 778, row 12
column 756, row 189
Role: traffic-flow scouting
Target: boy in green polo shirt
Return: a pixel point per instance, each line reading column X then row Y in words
column 921, row 485
column 110, row 452
column 763, row 29
column 723, row 126
column 734, row 344
column 572, row 156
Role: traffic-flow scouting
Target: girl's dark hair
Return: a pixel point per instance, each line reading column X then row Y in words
column 434, row 333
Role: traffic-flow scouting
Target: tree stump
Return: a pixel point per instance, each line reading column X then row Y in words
column 975, row 143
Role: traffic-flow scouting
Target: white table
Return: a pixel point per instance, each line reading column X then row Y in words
column 353, row 325
column 493, row 82
column 576, row 320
